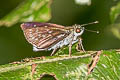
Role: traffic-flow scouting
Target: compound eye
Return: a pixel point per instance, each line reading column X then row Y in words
column 78, row 30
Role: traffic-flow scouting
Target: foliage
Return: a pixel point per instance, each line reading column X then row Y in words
column 63, row 67
column 115, row 13
column 30, row 10
column 115, row 20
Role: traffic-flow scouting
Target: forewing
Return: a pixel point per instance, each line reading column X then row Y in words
column 43, row 35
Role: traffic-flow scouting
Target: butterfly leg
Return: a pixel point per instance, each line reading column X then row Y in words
column 80, row 46
column 53, row 52
column 70, row 46
column 70, row 49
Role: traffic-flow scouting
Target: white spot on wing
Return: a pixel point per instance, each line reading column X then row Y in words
column 43, row 36
column 34, row 25
column 47, row 29
column 50, row 32
column 30, row 35
column 37, row 30
column 33, row 38
column 36, row 39
column 39, row 35
column 30, row 30
column 46, row 26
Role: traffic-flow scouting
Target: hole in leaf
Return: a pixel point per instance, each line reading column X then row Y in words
column 47, row 77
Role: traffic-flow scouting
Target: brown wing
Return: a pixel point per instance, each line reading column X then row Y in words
column 43, row 35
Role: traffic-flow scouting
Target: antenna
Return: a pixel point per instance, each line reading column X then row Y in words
column 92, row 31
column 90, row 23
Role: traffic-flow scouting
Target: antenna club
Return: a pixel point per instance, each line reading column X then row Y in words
column 97, row 32
column 96, row 22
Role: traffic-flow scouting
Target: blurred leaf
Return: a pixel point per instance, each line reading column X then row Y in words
column 116, row 30
column 30, row 10
column 115, row 12
column 65, row 68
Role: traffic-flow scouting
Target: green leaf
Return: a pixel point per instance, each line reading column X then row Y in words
column 115, row 13
column 108, row 67
column 63, row 67
column 29, row 10
column 115, row 29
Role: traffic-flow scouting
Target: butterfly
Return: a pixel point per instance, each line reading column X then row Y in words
column 48, row 36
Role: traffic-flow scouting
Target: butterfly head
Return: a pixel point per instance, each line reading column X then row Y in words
column 78, row 30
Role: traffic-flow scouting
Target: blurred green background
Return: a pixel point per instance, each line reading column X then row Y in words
column 14, row 47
